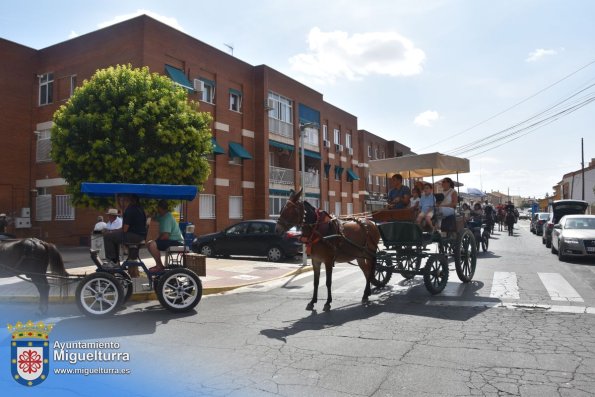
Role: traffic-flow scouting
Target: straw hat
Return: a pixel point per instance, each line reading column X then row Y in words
column 2, row 215
column 112, row 211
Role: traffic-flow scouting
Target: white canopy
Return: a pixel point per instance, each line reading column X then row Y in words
column 419, row 166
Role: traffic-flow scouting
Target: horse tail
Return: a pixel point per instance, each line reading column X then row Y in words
column 55, row 258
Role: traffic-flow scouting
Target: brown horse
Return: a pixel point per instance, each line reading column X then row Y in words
column 31, row 257
column 330, row 241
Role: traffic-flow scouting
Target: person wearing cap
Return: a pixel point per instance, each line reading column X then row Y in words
column 169, row 235
column 114, row 220
column 3, row 223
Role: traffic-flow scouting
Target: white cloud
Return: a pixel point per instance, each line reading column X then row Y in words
column 336, row 54
column 173, row 22
column 72, row 34
column 426, row 118
column 539, row 54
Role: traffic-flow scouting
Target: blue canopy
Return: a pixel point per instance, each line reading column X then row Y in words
column 175, row 192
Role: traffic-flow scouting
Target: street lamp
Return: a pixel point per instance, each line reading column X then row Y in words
column 303, row 179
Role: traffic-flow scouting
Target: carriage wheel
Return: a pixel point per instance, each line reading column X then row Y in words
column 127, row 286
column 465, row 255
column 382, row 271
column 485, row 241
column 99, row 295
column 436, row 274
column 179, row 290
column 410, row 266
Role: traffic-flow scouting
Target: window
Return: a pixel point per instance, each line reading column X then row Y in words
column 349, row 208
column 208, row 92
column 325, row 132
column 370, row 179
column 370, row 151
column 240, row 228
column 46, row 89
column 276, row 203
column 64, row 208
column 235, row 207
column 235, row 100
column 338, row 208
column 376, row 153
column 280, row 111
column 44, row 146
column 337, row 134
column 348, row 141
column 43, row 206
column 377, row 180
column 314, row 201
column 326, row 206
column 207, row 206
column 311, row 136
column 72, row 84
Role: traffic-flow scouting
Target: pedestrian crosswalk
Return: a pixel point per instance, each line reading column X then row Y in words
column 498, row 288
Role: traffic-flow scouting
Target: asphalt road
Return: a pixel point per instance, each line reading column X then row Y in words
column 524, row 326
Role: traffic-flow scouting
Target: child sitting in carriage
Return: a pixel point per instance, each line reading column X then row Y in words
column 427, row 202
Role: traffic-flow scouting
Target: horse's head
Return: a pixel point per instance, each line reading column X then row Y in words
column 292, row 213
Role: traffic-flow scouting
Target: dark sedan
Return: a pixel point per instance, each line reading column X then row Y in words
column 537, row 222
column 250, row 238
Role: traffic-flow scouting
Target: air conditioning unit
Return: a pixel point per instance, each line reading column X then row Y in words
column 270, row 104
column 199, row 85
column 326, row 143
column 338, row 147
column 351, row 151
column 341, row 148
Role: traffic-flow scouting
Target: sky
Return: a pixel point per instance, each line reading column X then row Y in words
column 503, row 83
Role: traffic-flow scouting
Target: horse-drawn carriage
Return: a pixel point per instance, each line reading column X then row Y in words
column 405, row 241
column 178, row 288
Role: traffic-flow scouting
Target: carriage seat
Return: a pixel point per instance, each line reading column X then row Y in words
column 133, row 249
column 174, row 255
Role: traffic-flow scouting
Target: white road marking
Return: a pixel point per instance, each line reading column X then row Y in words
column 558, row 288
column 505, row 286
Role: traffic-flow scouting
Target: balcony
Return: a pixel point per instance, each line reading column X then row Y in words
column 285, row 176
column 280, row 128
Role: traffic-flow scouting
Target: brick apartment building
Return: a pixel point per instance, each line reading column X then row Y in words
column 257, row 113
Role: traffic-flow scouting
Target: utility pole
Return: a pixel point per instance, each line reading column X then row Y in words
column 583, row 167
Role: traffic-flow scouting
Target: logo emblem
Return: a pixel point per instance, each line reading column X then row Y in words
column 30, row 358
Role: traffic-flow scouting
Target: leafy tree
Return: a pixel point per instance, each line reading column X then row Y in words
column 130, row 125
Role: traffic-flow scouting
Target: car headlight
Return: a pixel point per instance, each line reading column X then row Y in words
column 571, row 241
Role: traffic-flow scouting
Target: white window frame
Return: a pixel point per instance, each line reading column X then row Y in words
column 72, row 84
column 325, row 132
column 314, row 201
column 370, row 151
column 235, row 102
column 207, row 206
column 376, row 154
column 311, row 136
column 337, row 208
column 337, row 136
column 276, row 203
column 349, row 208
column 326, row 205
column 208, row 94
column 46, row 81
column 281, row 109
column 44, row 146
column 236, row 207
column 64, row 209
column 43, row 207
column 348, row 141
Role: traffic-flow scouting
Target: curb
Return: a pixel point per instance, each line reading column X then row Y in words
column 148, row 296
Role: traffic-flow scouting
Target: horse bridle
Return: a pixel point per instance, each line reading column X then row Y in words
column 286, row 224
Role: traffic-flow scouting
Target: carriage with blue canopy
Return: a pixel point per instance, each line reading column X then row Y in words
column 407, row 244
column 178, row 288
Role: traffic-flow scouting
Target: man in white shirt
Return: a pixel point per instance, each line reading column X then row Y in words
column 114, row 221
column 99, row 226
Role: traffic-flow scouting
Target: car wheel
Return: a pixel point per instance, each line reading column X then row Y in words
column 548, row 243
column 275, row 254
column 561, row 257
column 554, row 250
column 206, row 250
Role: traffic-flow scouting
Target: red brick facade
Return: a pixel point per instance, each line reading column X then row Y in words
column 143, row 41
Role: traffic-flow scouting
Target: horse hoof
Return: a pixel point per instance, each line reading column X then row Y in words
column 310, row 306
column 326, row 307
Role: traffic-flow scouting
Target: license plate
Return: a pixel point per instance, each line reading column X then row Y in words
column 590, row 249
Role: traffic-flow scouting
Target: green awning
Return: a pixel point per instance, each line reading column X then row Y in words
column 281, row 145
column 217, row 149
column 178, row 77
column 352, row 175
column 311, row 154
column 278, row 192
column 237, row 150
column 313, row 195
column 234, row 91
column 327, row 168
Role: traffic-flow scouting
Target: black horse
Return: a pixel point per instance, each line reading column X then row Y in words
column 510, row 220
column 31, row 257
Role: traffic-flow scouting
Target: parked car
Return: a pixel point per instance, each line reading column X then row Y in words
column 537, row 222
column 524, row 214
column 250, row 238
column 574, row 236
column 561, row 208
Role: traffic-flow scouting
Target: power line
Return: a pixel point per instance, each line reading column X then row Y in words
column 509, row 108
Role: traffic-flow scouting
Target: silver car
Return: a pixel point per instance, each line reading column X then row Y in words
column 574, row 236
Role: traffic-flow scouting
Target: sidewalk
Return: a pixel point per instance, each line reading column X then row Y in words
column 222, row 275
